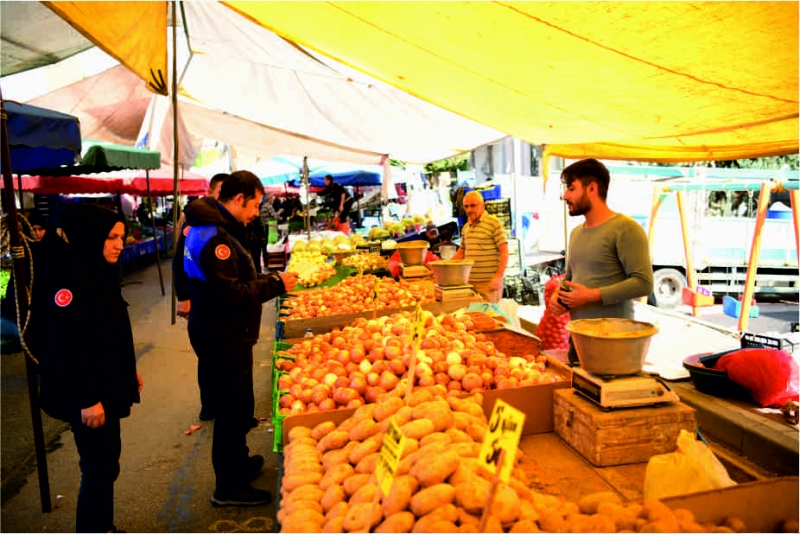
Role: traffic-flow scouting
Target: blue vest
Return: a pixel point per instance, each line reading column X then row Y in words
column 196, row 240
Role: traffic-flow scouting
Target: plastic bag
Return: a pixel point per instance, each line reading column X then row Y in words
column 552, row 328
column 691, row 469
column 770, row 375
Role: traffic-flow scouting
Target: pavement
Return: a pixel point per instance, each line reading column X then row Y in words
column 166, row 477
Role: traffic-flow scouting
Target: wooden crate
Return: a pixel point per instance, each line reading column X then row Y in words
column 622, row 436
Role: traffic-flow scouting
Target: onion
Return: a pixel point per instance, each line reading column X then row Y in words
column 359, row 384
column 341, row 382
column 329, row 379
column 397, row 367
column 471, row 381
column 365, row 366
column 285, row 382
column 298, row 406
column 295, row 373
column 355, row 403
column 343, row 357
column 351, row 367
column 357, row 354
column 388, row 380
column 306, row 395
column 380, row 366
column 426, row 380
column 423, row 369
column 457, row 372
column 492, row 361
column 501, row 369
column 454, row 385
column 392, row 352
column 327, row 404
column 516, row 361
column 373, row 379
column 441, row 378
column 373, row 393
column 487, row 378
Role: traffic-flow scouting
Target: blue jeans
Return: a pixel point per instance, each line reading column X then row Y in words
column 99, row 450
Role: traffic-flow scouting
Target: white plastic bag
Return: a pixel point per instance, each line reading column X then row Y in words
column 692, row 468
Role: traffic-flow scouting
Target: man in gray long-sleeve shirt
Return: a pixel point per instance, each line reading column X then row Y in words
column 608, row 261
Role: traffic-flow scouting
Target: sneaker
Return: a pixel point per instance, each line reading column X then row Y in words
column 245, row 496
column 206, row 415
column 253, row 466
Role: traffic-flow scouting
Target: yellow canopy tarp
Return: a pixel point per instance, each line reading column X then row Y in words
column 133, row 33
column 662, row 81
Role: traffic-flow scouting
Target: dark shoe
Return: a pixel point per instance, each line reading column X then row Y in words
column 253, row 467
column 245, row 496
column 254, row 422
column 206, row 416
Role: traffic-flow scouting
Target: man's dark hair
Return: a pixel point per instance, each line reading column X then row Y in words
column 328, row 177
column 244, row 182
column 220, row 177
column 588, row 171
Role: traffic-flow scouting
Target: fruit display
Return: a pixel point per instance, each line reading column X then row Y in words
column 355, row 294
column 329, row 482
column 311, row 266
column 365, row 262
column 376, row 232
column 369, row 361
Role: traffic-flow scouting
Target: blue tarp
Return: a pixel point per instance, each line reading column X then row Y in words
column 282, row 169
column 40, row 137
column 352, row 178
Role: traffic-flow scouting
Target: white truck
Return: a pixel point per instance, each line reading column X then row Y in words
column 721, row 227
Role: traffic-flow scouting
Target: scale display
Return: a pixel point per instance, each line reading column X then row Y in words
column 622, row 392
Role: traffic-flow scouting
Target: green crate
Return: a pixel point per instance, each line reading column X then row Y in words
column 277, row 433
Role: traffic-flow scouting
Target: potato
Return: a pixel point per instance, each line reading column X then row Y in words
column 364, row 448
column 658, row 515
column 332, row 496
column 461, row 420
column 336, row 475
column 431, row 498
column 523, row 492
column 527, row 511
column 387, row 408
column 624, row 518
column 493, row 525
column 411, row 445
column 339, row 510
column 438, row 412
column 338, row 456
column 506, row 506
column 365, row 493
column 367, row 463
column 436, row 436
column 460, row 475
column 309, row 492
column 299, row 432
column 467, row 450
column 299, row 520
column 293, row 506
column 419, row 396
column 367, row 411
column 399, row 497
column 335, row 440
column 432, row 449
column 468, row 528
column 476, row 429
column 434, row 469
column 440, row 525
column 465, row 518
column 334, row 525
column 293, row 482
column 348, row 424
column 735, row 524
column 364, row 429
column 588, row 504
column 458, row 436
column 401, row 417
column 472, row 495
column 525, row 525
column 302, row 466
column 399, row 522
column 447, row 513
column 322, row 430
column 300, row 444
column 362, row 517
column 551, row 520
column 352, row 483
column 417, row 429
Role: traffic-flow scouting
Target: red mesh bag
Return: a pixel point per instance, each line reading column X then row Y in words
column 552, row 328
column 771, row 375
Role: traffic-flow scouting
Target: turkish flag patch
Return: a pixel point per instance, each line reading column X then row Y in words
column 186, row 231
column 63, row 297
column 222, row 252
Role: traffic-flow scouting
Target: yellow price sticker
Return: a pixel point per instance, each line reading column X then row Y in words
column 375, row 288
column 505, row 430
column 389, row 457
column 419, row 323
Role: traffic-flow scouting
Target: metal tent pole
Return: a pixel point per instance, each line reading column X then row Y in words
column 175, row 190
column 20, row 283
column 155, row 235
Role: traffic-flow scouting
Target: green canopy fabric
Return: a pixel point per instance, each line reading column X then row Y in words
column 106, row 157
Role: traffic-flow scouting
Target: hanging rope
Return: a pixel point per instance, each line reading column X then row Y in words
column 19, row 252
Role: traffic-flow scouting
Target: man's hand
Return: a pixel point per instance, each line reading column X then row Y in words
column 579, row 295
column 139, row 381
column 496, row 284
column 555, row 307
column 183, row 308
column 94, row 416
column 289, row 280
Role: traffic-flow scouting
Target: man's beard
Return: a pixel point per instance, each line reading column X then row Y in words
column 580, row 206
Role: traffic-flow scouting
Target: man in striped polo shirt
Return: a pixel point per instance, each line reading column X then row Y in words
column 483, row 240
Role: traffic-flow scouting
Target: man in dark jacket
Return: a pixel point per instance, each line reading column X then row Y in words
column 338, row 199
column 224, row 324
column 81, row 334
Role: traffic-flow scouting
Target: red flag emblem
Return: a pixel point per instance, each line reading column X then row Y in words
column 63, row 297
column 222, row 252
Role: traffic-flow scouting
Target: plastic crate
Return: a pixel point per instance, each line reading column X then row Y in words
column 277, row 433
column 733, row 308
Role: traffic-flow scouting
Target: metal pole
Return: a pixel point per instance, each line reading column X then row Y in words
column 155, row 235
column 20, row 283
column 307, row 217
column 175, row 190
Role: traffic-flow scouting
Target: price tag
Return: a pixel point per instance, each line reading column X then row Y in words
column 505, row 429
column 375, row 288
column 418, row 330
column 389, row 457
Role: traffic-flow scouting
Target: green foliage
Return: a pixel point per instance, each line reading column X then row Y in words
column 5, row 276
column 452, row 164
column 791, row 162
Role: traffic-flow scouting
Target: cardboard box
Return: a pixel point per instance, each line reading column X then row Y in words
column 623, row 436
column 763, row 505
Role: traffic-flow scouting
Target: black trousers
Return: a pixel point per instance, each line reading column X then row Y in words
column 230, row 372
column 99, row 450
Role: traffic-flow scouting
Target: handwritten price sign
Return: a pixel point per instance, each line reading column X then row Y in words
column 505, row 429
column 389, row 457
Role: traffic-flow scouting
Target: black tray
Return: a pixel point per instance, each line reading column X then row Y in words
column 713, row 381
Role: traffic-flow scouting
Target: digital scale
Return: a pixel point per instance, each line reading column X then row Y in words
column 414, row 271
column 628, row 391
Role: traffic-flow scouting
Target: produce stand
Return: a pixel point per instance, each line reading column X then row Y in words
column 144, row 247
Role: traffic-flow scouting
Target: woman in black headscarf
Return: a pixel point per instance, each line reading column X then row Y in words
column 81, row 334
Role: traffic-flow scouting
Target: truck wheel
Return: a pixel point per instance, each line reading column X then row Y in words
column 668, row 287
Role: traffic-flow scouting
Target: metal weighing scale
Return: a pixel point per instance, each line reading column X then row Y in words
column 643, row 389
column 448, row 293
column 414, row 271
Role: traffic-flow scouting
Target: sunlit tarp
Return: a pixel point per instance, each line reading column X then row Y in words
column 665, row 81
column 134, row 33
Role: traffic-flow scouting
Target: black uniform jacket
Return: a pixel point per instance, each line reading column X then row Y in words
column 225, row 290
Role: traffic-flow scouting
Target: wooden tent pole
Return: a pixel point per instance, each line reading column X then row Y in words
column 658, row 197
column 175, row 190
column 687, row 247
column 755, row 252
column 155, row 234
column 20, row 285
column 794, row 196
